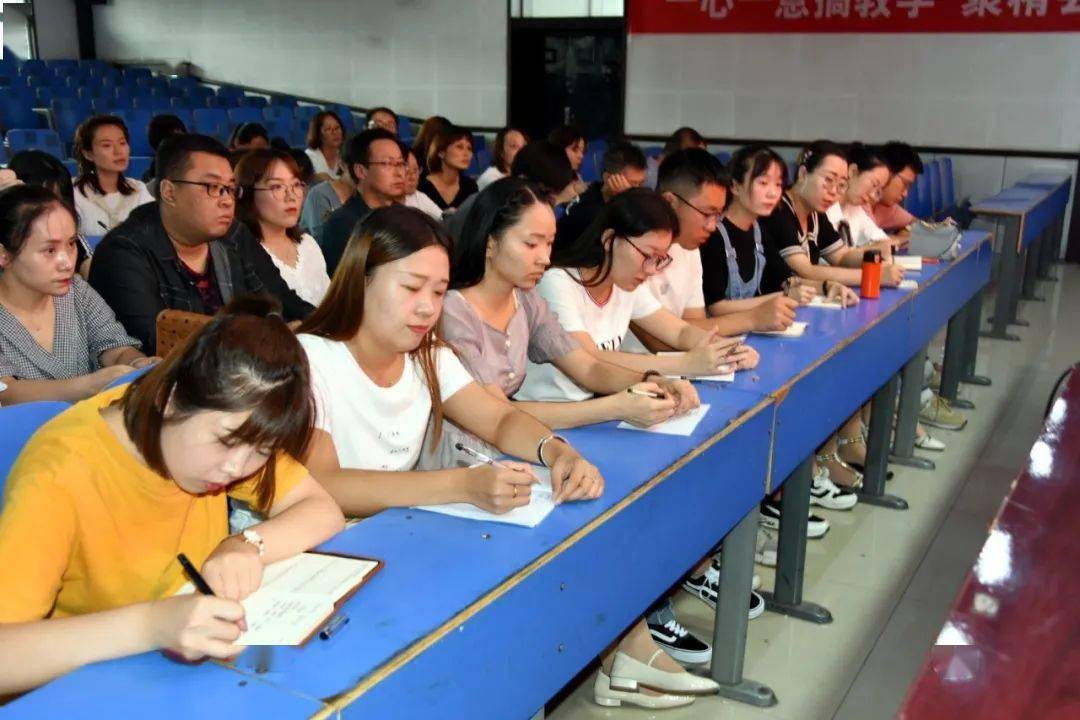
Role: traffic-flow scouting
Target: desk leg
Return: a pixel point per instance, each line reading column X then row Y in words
column 952, row 364
column 877, row 449
column 1051, row 250
column 732, row 606
column 1032, row 258
column 1006, row 282
column 907, row 416
column 786, row 597
column 970, row 345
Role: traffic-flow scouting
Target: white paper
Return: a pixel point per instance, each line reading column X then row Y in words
column 540, row 505
column 796, row 330
column 820, row 301
column 910, row 263
column 296, row 596
column 682, row 425
column 908, row 285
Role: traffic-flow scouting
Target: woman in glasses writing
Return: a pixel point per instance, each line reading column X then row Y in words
column 270, row 207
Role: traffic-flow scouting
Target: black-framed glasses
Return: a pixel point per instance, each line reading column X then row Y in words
column 652, row 263
column 214, row 190
column 709, row 217
column 279, row 190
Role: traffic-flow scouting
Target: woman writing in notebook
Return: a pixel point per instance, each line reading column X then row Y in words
column 372, row 342
column 104, row 497
column 597, row 289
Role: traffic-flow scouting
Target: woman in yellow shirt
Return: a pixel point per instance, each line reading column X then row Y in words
column 105, row 496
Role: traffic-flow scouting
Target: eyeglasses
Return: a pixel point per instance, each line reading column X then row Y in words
column 214, row 190
column 709, row 217
column 392, row 164
column 652, row 263
column 832, row 182
column 280, row 190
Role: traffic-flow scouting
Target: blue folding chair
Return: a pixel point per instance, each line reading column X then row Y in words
column 302, row 115
column 252, row 101
column 138, row 165
column 45, row 140
column 17, row 111
column 67, row 114
column 17, row 424
column 152, row 104
column 279, row 122
column 240, row 115
column 213, row 122
column 137, row 121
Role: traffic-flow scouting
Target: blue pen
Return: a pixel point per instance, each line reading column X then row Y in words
column 335, row 624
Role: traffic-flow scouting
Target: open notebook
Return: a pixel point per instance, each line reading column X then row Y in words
column 680, row 425
column 721, row 377
column 796, row 329
column 299, row 595
column 910, row 263
column 540, row 505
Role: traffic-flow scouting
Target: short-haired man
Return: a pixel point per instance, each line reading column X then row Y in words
column 185, row 251
column 624, row 168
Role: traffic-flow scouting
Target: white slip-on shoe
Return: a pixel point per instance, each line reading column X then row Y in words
column 607, row 696
column 628, row 673
column 927, row 442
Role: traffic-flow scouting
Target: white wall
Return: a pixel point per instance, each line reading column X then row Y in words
column 13, row 28
column 997, row 91
column 57, row 32
column 418, row 56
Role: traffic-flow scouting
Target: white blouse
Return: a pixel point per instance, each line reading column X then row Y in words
column 308, row 279
column 489, row 176
column 98, row 214
column 319, row 164
column 424, row 204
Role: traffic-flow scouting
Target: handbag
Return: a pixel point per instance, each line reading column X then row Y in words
column 937, row 240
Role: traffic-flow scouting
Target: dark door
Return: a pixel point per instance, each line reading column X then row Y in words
column 567, row 71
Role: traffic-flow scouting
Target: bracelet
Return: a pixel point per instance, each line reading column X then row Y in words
column 544, row 441
column 645, row 378
column 252, row 537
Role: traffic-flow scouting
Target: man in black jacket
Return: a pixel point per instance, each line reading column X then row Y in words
column 185, row 252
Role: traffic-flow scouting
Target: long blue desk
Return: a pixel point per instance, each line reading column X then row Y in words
column 487, row 620
column 1051, row 249
column 1030, row 215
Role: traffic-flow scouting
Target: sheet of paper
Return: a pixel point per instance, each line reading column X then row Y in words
column 274, row 619
column 722, row 377
column 683, row 425
column 908, row 285
column 796, row 330
column 820, row 301
column 910, row 263
column 539, row 507
column 327, row 577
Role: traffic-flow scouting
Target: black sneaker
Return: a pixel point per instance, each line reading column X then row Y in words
column 680, row 643
column 816, row 526
column 707, row 587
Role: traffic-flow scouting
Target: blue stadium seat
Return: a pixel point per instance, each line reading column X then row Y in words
column 45, row 140
column 137, row 122
column 184, row 113
column 138, row 165
column 153, row 104
column 591, row 166
column 17, row 424
column 198, row 94
column 72, row 167
column 252, row 101
column 224, row 103
column 279, row 122
column 481, row 160
column 479, row 142
column 596, row 146
column 182, row 83
column 47, row 93
column 34, row 67
column 213, row 122
column 108, row 106
column 283, row 101
column 933, row 174
column 37, row 81
column 948, row 189
column 228, row 91
column 244, row 115
column 345, row 113
column 17, row 111
column 652, row 151
column 67, row 113
column 86, row 92
column 302, row 115
column 181, row 104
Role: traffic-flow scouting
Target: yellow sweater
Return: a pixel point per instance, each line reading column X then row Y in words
column 88, row 527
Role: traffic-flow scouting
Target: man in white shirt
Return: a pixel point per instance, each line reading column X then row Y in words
column 696, row 184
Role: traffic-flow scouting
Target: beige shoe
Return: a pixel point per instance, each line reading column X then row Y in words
column 628, row 673
column 604, row 694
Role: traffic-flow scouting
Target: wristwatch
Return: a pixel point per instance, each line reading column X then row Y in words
column 252, row 537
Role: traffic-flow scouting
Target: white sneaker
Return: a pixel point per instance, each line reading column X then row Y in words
column 827, row 494
column 926, row 442
column 765, row 553
column 607, row 696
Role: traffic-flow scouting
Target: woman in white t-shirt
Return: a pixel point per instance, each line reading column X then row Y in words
column 270, row 207
column 868, row 173
column 325, row 136
column 507, row 143
column 413, row 197
column 598, row 288
column 103, row 196
column 380, row 377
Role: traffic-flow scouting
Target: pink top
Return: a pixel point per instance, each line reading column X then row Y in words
column 891, row 218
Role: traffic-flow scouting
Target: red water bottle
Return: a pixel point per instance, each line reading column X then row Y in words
column 871, row 274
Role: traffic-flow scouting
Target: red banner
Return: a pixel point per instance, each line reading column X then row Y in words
column 851, row 16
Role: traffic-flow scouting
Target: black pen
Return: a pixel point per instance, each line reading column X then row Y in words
column 193, row 575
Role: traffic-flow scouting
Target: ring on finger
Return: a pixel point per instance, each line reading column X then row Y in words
column 514, row 487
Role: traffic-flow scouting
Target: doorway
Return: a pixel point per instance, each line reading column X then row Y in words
column 567, row 71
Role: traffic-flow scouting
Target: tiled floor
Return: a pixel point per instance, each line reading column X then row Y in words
column 889, row 577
